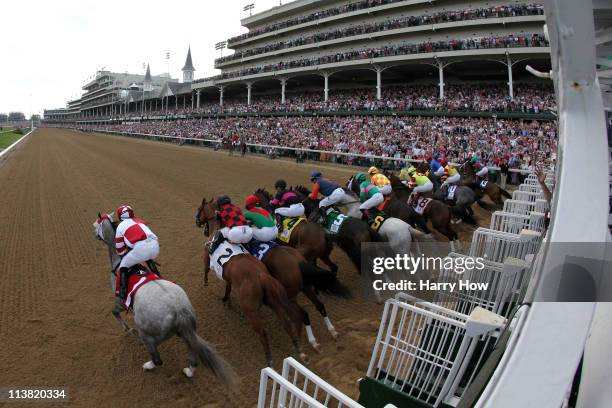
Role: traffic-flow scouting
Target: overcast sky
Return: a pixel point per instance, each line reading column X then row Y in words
column 50, row 48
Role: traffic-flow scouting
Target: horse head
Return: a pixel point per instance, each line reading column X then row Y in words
column 207, row 217
column 198, row 214
column 264, row 198
column 309, row 204
column 104, row 230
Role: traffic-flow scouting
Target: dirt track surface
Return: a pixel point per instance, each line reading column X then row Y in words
column 56, row 328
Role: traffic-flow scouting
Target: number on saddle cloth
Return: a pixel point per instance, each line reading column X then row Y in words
column 421, row 204
column 334, row 221
column 224, row 252
column 483, row 184
column 377, row 221
column 451, row 192
column 259, row 249
column 289, row 224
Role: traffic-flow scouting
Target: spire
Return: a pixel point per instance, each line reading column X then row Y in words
column 148, row 81
column 148, row 74
column 188, row 64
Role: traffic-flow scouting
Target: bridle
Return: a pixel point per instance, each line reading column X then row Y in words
column 206, row 222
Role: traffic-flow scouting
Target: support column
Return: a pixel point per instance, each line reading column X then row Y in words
column 249, row 88
column 510, row 84
column 379, row 83
column 221, row 88
column 441, row 77
column 176, row 102
column 326, row 86
column 192, row 101
column 198, row 95
column 283, row 88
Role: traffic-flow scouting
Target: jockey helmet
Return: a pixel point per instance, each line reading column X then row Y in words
column 360, row 178
column 124, row 212
column 475, row 159
column 443, row 162
column 315, row 175
column 373, row 170
column 222, row 200
column 282, row 184
column 411, row 170
column 251, row 201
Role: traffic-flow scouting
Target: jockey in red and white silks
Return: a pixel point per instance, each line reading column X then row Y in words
column 134, row 242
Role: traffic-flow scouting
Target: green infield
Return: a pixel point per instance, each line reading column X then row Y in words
column 7, row 138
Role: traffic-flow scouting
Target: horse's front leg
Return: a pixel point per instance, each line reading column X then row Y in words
column 228, row 290
column 117, row 309
column 206, row 259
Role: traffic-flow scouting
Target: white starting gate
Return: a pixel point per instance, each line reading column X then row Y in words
column 496, row 246
column 515, row 223
column 525, row 207
column 298, row 387
column 527, row 195
column 497, row 287
column 425, row 351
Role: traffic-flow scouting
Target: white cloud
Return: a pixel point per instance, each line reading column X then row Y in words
column 50, row 48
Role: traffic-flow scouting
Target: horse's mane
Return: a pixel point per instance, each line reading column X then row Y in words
column 302, row 190
column 264, row 193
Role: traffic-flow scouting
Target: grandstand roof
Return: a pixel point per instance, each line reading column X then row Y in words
column 148, row 74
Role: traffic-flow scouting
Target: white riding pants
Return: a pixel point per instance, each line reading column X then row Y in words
column 294, row 210
column 265, row 234
column 238, row 235
column 372, row 202
column 142, row 252
column 335, row 197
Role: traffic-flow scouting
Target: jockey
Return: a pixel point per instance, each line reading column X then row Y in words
column 436, row 167
column 419, row 183
column 380, row 181
column 481, row 170
column 369, row 195
column 406, row 174
column 135, row 243
column 287, row 203
column 233, row 225
column 333, row 193
column 451, row 175
column 265, row 226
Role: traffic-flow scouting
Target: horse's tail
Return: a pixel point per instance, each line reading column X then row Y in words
column 186, row 328
column 323, row 280
column 505, row 193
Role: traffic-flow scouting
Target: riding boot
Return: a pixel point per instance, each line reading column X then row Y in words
column 153, row 267
column 123, row 283
column 365, row 215
column 322, row 214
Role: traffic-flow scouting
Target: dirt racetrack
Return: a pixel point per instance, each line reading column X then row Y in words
column 56, row 328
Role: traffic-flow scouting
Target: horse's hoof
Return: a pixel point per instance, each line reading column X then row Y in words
column 149, row 365
column 304, row 358
column 316, row 346
column 188, row 371
column 205, row 283
column 429, row 236
column 334, row 334
column 134, row 332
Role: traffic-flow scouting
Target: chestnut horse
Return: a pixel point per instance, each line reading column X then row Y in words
column 307, row 237
column 492, row 190
column 254, row 287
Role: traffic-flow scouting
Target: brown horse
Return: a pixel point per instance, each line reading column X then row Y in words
column 290, row 268
column 307, row 237
column 492, row 190
column 436, row 211
column 254, row 286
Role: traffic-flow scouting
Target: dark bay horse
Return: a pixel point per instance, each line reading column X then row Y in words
column 492, row 190
column 437, row 212
column 307, row 237
column 254, row 287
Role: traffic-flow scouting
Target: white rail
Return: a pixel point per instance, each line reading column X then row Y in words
column 11, row 147
column 514, row 223
column 496, row 246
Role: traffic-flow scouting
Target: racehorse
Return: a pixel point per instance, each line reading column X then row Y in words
column 254, row 286
column 351, row 234
column 307, row 237
column 463, row 199
column 396, row 231
column 162, row 310
column 290, row 268
column 492, row 190
column 436, row 211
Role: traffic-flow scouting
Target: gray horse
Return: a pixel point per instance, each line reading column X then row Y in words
column 162, row 310
column 462, row 207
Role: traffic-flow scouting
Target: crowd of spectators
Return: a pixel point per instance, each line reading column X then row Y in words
column 392, row 24
column 508, row 41
column 517, row 144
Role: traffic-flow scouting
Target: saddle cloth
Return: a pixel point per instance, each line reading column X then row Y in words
column 259, row 249
column 138, row 276
column 289, row 224
column 224, row 252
